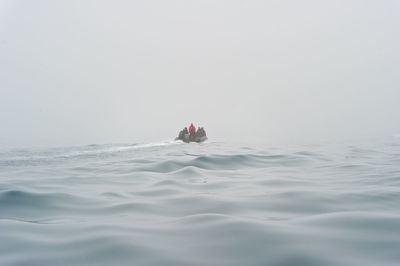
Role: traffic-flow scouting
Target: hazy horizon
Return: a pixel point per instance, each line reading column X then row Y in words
column 74, row 73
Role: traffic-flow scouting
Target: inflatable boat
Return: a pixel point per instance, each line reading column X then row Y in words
column 186, row 138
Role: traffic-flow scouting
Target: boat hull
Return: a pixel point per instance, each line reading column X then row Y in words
column 187, row 139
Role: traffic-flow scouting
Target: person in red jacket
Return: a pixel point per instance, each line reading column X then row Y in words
column 192, row 131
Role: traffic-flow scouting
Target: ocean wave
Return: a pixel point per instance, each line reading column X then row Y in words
column 169, row 203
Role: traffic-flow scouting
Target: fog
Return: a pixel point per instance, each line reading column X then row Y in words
column 84, row 72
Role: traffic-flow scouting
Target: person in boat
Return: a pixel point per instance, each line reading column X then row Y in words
column 192, row 132
column 203, row 132
column 185, row 134
column 198, row 133
column 181, row 135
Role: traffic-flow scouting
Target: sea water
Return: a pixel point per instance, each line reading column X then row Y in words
column 214, row 203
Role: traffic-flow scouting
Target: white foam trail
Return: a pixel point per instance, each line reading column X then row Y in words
column 157, row 144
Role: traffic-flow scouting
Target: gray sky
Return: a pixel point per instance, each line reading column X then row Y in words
column 83, row 72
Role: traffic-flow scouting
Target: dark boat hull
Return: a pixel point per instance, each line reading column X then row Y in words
column 187, row 139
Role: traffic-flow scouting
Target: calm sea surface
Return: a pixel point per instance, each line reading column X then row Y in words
column 174, row 204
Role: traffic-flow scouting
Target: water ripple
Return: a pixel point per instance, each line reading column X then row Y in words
column 169, row 203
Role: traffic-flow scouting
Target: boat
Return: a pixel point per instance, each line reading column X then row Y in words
column 199, row 136
column 186, row 138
